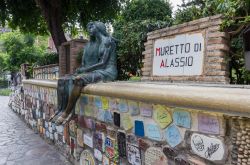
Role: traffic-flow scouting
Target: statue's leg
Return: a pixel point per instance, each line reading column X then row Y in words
column 62, row 97
column 76, row 91
column 60, row 94
column 65, row 94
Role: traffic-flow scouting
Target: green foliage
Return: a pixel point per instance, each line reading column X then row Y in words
column 236, row 19
column 236, row 12
column 17, row 48
column 24, row 15
column 186, row 14
column 27, row 15
column 136, row 19
column 5, row 92
column 195, row 9
column 19, row 51
column 47, row 58
column 2, row 63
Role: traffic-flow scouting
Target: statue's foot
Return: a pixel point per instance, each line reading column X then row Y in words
column 61, row 119
column 55, row 117
column 51, row 119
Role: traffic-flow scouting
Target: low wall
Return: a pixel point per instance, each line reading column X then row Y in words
column 204, row 60
column 145, row 123
column 48, row 72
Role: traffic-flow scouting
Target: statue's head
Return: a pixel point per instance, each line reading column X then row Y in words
column 96, row 27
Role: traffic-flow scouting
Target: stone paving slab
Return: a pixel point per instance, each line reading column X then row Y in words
column 19, row 145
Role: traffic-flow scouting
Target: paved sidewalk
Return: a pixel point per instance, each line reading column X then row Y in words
column 19, row 145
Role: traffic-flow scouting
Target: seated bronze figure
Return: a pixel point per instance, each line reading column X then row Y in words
column 98, row 64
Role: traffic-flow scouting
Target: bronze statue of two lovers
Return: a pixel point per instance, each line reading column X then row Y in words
column 98, row 64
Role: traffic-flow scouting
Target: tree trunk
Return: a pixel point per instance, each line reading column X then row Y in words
column 51, row 10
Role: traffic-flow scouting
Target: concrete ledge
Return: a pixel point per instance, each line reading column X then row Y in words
column 44, row 83
column 227, row 99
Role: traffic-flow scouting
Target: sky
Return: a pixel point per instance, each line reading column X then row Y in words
column 175, row 3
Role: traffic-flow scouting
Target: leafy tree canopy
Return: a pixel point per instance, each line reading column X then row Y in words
column 236, row 20
column 136, row 19
column 41, row 16
column 17, row 48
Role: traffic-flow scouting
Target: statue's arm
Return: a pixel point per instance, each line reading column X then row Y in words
column 81, row 68
column 106, row 53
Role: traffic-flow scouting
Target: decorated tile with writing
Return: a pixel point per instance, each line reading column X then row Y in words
column 162, row 115
column 80, row 121
column 109, row 147
column 113, row 104
column 153, row 132
column 173, row 136
column 101, row 115
column 133, row 108
column 87, row 158
column 143, row 144
column 127, row 121
column 170, row 152
column 131, row 138
column 89, row 111
column 208, row 124
column 88, row 140
column 112, row 132
column 98, row 154
column 133, row 154
column 207, row 147
column 155, row 156
column 100, row 127
column 89, row 123
column 80, row 137
column 99, row 140
column 122, row 106
column 59, row 129
column 72, row 128
column 121, row 141
column 181, row 161
column 182, row 118
column 139, row 128
column 146, row 109
column 105, row 103
column 60, row 140
column 105, row 160
column 98, row 102
column 108, row 117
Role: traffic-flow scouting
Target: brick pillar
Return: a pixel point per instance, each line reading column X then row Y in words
column 68, row 53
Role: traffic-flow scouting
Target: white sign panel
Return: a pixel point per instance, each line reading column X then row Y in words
column 180, row 55
column 88, row 140
column 207, row 147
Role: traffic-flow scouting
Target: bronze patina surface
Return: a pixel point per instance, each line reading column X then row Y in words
column 98, row 64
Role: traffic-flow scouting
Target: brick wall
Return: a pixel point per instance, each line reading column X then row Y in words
column 74, row 47
column 216, row 48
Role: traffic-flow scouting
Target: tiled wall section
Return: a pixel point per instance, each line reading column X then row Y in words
column 108, row 130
